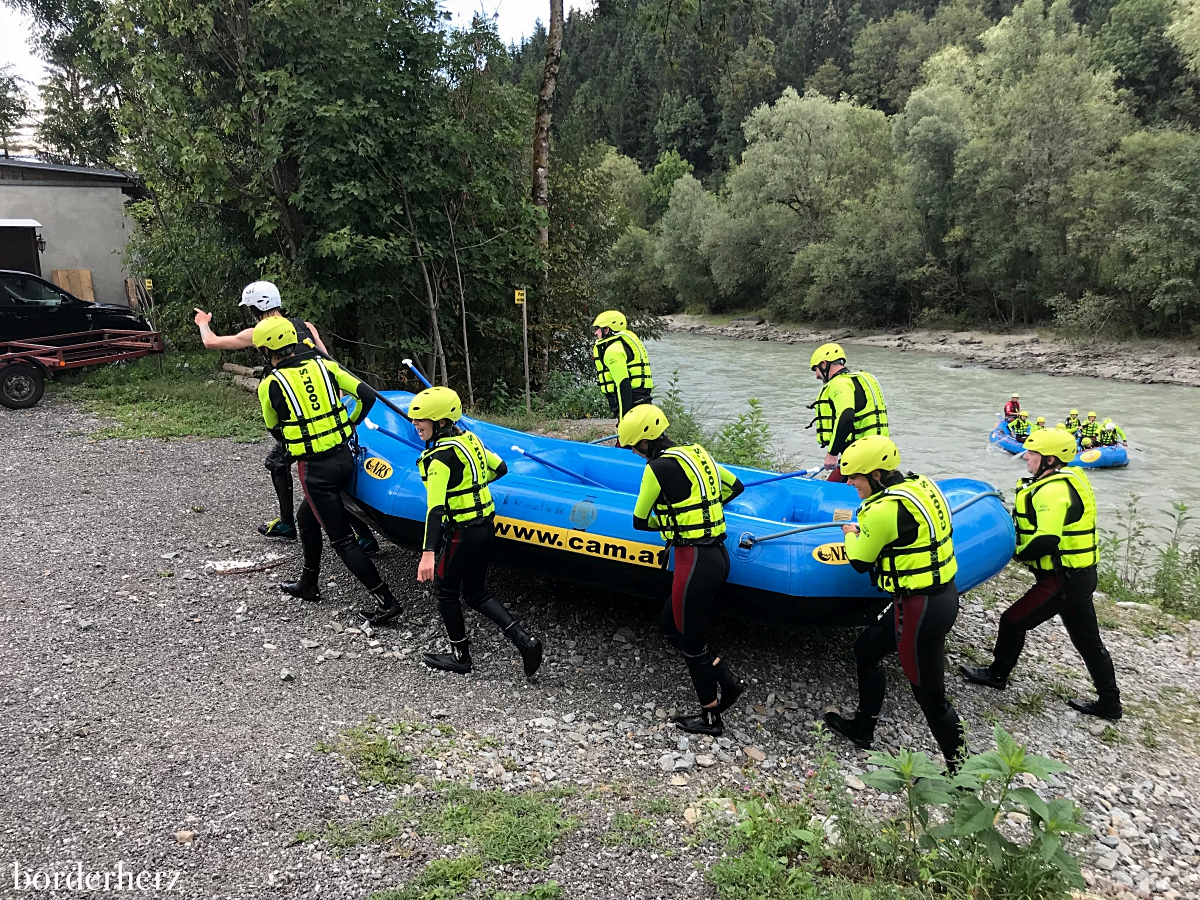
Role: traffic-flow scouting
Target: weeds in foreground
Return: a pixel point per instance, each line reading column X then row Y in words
column 547, row 890
column 1168, row 578
column 442, row 879
column 630, row 830
column 502, row 828
column 173, row 396
column 947, row 842
column 375, row 759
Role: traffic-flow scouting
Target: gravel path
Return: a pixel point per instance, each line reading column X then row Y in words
column 148, row 718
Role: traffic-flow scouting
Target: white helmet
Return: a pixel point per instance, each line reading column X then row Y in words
column 262, row 295
column 1110, row 427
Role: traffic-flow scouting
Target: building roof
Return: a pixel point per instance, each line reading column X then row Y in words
column 20, row 223
column 26, row 171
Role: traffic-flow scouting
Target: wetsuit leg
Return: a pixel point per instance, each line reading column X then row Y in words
column 449, row 571
column 700, row 572
column 1039, row 604
column 358, row 526
column 922, row 623
column 872, row 647
column 477, row 554
column 1079, row 617
column 279, row 464
column 323, row 480
column 310, row 536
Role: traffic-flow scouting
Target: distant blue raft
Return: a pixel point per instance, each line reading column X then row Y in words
column 553, row 523
column 1113, row 456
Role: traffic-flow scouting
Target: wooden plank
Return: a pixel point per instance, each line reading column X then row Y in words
column 75, row 281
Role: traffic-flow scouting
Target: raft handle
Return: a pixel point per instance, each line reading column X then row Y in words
column 748, row 540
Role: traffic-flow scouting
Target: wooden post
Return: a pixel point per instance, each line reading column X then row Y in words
column 519, row 297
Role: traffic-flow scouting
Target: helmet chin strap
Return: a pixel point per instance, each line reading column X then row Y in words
column 1044, row 466
column 823, row 370
column 876, row 484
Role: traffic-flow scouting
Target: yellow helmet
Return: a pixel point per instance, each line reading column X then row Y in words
column 868, row 454
column 1023, row 413
column 1052, row 442
column 1087, row 442
column 1074, row 412
column 1091, row 415
column 1107, row 419
column 274, row 333
column 827, row 353
column 1062, row 425
column 642, row 423
column 1041, row 420
column 611, row 319
column 436, row 403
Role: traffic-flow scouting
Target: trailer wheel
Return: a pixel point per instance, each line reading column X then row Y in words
column 21, row 386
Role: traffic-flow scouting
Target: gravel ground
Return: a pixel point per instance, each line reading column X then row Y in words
column 149, row 719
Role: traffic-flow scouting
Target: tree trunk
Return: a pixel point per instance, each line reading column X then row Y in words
column 462, row 299
column 541, row 149
column 437, row 353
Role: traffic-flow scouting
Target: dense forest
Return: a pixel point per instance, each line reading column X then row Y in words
column 874, row 163
column 895, row 162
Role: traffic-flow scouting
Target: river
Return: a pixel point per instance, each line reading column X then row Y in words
column 941, row 413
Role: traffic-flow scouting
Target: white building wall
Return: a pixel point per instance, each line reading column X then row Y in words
column 84, row 228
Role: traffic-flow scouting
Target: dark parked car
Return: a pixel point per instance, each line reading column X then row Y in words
column 32, row 308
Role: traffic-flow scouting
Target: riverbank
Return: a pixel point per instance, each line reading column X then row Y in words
column 188, row 718
column 1144, row 363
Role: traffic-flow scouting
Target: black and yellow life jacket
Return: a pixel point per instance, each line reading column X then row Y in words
column 638, row 362
column 870, row 409
column 700, row 516
column 317, row 420
column 927, row 562
column 469, row 501
column 1077, row 548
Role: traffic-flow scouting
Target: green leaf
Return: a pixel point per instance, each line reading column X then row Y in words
column 973, row 815
column 1042, row 766
column 985, row 765
column 1050, row 844
column 885, row 780
column 995, row 845
column 1031, row 800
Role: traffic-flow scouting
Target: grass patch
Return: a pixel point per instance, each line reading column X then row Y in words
column 662, row 806
column 1112, row 736
column 1028, row 705
column 547, row 890
column 374, row 757
column 383, row 828
column 502, row 828
column 441, row 879
column 630, row 830
column 178, row 402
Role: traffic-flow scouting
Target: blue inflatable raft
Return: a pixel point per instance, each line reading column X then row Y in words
column 552, row 522
column 1113, row 456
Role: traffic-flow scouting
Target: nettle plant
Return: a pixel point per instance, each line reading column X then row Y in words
column 953, row 822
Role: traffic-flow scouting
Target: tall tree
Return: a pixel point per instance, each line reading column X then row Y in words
column 14, row 105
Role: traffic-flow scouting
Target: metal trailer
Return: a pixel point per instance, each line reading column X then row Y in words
column 25, row 365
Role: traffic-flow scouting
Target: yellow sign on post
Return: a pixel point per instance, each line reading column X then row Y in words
column 519, row 296
column 149, row 284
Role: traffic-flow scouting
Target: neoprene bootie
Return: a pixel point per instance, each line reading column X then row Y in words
column 530, row 647
column 458, row 660
column 731, row 687
column 277, row 528
column 985, row 676
column 1102, row 708
column 708, row 722
column 860, row 730
column 305, row 587
column 386, row 609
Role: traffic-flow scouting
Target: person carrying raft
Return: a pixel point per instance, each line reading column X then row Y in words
column 1055, row 517
column 850, row 405
column 622, row 364
column 904, row 538
column 262, row 298
column 459, row 528
column 1072, row 421
column 302, row 408
column 682, row 495
column 1020, row 426
column 1012, row 407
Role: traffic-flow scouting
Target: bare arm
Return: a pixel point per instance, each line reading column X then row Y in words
column 239, row 341
column 317, row 338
